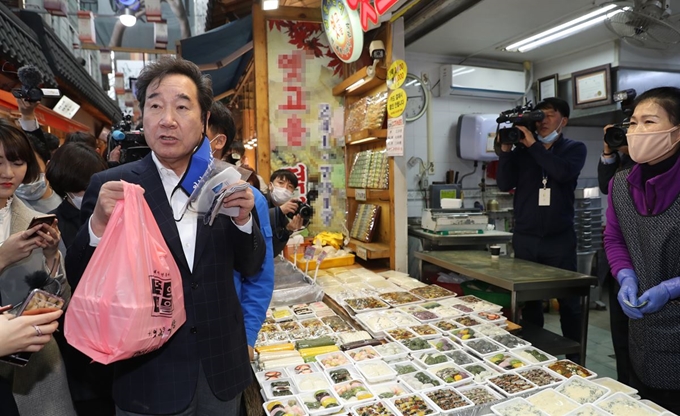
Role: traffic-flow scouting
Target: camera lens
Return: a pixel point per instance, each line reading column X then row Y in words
column 510, row 135
column 615, row 137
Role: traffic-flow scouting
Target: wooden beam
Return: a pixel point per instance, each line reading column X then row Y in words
column 227, row 59
column 224, row 95
column 92, row 46
column 245, row 78
column 261, row 91
column 299, row 14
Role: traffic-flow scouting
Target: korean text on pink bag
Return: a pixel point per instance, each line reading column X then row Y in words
column 129, row 301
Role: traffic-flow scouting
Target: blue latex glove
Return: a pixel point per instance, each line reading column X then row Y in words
column 628, row 293
column 659, row 295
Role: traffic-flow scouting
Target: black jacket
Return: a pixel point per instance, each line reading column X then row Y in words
column 605, row 172
column 69, row 221
column 278, row 221
column 164, row 381
column 523, row 169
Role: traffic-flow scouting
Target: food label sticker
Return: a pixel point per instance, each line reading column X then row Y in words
column 309, row 253
column 360, row 195
column 361, row 252
column 321, row 257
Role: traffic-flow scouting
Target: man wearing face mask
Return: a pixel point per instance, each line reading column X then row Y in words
column 543, row 171
column 282, row 184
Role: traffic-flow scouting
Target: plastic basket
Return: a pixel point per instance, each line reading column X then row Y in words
column 487, row 292
column 346, row 260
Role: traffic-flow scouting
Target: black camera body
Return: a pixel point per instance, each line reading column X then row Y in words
column 30, row 77
column 523, row 115
column 615, row 136
column 132, row 143
column 305, row 210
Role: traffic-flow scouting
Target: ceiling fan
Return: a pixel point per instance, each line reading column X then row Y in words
column 647, row 24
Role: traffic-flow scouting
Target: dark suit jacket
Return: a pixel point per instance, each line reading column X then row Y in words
column 164, row 381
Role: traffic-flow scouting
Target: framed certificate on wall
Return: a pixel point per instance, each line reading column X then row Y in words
column 547, row 87
column 592, row 87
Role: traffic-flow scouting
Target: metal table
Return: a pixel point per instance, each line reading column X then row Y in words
column 435, row 241
column 524, row 279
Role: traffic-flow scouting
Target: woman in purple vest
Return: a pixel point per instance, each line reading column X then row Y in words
column 642, row 241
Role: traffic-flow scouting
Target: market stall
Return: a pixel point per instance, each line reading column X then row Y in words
column 387, row 344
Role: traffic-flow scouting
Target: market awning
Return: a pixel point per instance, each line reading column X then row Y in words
column 45, row 116
column 19, row 45
column 69, row 71
column 223, row 53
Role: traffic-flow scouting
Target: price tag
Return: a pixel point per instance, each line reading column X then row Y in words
column 321, row 257
column 360, row 194
column 309, row 253
column 361, row 253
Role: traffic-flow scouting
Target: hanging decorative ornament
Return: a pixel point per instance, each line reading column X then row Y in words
column 160, row 35
column 343, row 29
column 86, row 31
column 153, row 11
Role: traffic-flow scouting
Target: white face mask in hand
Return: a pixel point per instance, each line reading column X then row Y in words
column 32, row 191
column 281, row 195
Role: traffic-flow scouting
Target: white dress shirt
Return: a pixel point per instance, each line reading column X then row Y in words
column 188, row 225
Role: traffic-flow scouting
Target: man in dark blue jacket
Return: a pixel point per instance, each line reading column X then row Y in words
column 544, row 170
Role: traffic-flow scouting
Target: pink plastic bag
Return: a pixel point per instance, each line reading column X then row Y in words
column 129, row 301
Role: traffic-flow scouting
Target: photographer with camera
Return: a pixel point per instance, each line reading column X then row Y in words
column 543, row 167
column 283, row 208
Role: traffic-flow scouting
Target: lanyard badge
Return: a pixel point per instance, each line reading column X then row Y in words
column 544, row 194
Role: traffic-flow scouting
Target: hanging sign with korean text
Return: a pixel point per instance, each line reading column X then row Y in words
column 343, row 29
column 368, row 11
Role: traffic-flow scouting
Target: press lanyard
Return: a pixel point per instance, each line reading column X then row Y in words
column 544, row 193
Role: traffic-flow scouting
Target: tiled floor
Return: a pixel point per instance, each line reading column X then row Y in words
column 600, row 352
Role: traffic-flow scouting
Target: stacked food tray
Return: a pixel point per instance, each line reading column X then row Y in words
column 421, row 350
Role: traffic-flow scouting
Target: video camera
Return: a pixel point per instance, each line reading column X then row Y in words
column 305, row 210
column 522, row 115
column 615, row 136
column 132, row 143
column 30, row 77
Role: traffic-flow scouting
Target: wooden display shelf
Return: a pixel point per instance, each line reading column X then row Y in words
column 371, row 194
column 376, row 81
column 369, row 251
column 365, row 136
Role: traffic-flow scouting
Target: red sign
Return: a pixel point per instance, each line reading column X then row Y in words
column 300, row 171
column 370, row 12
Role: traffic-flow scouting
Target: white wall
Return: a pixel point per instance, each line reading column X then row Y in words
column 446, row 110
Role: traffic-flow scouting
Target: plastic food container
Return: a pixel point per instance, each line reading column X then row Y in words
column 510, row 341
column 281, row 314
column 461, row 357
column 336, row 323
column 480, row 372
column 299, row 369
column 506, row 361
column 481, row 396
column 588, row 410
column 443, row 344
column 302, row 311
column 451, row 374
column 320, row 402
column 463, row 308
column 417, row 344
column 483, row 347
column 441, row 310
column 373, row 409
column 465, row 334
column 405, row 367
column 311, row 382
column 342, row 374
column 430, row 358
column 615, row 386
column 656, row 407
column 620, row 404
column 368, row 303
column 332, row 359
column 552, row 402
column 512, row 385
column 400, row 318
column 363, row 354
column 534, row 356
column 376, row 371
column 375, row 322
column 516, row 407
column 491, row 330
column 419, row 313
column 468, row 321
column 421, row 380
column 399, row 298
column 540, row 376
column 412, row 405
column 425, row 331
column 582, row 391
column 491, row 317
column 400, row 334
column 269, row 375
column 568, row 368
column 278, row 389
column 432, row 292
column 446, row 400
column 392, row 351
column 289, row 405
column 389, row 390
column 352, row 392
column 446, row 325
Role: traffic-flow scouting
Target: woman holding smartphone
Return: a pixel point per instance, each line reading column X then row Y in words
column 40, row 387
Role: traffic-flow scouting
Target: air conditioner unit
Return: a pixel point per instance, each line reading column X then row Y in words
column 470, row 81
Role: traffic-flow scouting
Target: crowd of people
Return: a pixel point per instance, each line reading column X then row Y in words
column 206, row 362
column 227, row 268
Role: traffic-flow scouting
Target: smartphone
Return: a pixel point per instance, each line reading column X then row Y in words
column 37, row 302
column 43, row 219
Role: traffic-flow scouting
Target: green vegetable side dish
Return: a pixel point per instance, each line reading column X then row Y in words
column 405, row 369
column 537, row 355
column 415, row 344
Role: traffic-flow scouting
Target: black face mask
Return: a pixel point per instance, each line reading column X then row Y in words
column 233, row 160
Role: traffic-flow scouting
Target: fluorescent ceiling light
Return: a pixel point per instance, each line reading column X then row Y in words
column 128, row 18
column 270, row 4
column 356, row 85
column 563, row 30
column 367, row 139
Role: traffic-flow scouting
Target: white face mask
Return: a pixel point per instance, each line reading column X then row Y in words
column 281, row 195
column 77, row 201
column 551, row 137
column 32, row 191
